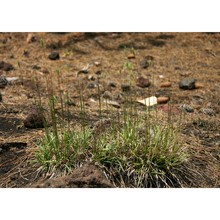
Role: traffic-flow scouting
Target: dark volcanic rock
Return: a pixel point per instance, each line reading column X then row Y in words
column 187, row 83
column 54, row 56
column 34, row 119
column 6, row 66
column 88, row 176
column 143, row 82
column 0, row 97
column 3, row 82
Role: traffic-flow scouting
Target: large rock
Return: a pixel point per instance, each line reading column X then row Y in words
column 187, row 83
column 88, row 176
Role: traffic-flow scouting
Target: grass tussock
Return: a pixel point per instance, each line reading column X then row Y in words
column 135, row 150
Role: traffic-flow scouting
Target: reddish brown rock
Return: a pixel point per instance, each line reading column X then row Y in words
column 165, row 84
column 162, row 100
column 6, row 66
column 143, row 82
column 131, row 56
column 198, row 85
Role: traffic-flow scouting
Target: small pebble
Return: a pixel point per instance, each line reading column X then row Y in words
column 11, row 80
column 97, row 63
column 165, row 84
column 187, row 83
column 131, row 56
column 91, row 85
column 107, row 95
column 199, row 85
column 3, row 82
column 146, row 62
column 6, row 66
column 54, row 56
column 207, row 111
column 111, row 84
column 113, row 103
column 99, row 72
column 186, row 108
column 150, row 101
column 143, row 82
column 162, row 100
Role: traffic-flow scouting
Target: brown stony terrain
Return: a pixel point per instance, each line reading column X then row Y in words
column 183, row 68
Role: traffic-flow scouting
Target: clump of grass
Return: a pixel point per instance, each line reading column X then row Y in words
column 63, row 151
column 139, row 154
column 135, row 151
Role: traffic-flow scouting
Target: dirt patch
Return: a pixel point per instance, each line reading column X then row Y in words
column 88, row 176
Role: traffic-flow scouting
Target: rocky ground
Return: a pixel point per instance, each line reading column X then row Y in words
column 183, row 68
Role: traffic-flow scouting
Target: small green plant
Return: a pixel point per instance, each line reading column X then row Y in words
column 42, row 43
column 128, row 68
